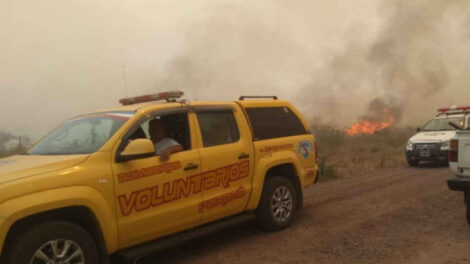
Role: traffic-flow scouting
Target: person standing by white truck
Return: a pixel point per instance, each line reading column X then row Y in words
column 431, row 143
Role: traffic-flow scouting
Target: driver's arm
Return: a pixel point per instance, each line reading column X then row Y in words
column 167, row 152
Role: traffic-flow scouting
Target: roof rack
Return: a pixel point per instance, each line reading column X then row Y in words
column 243, row 97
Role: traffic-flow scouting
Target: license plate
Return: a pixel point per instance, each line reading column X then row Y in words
column 425, row 154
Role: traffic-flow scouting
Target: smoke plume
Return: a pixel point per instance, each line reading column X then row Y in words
column 415, row 64
column 342, row 61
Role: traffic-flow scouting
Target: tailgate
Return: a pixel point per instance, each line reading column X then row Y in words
column 464, row 149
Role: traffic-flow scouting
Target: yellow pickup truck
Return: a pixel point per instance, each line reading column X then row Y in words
column 98, row 186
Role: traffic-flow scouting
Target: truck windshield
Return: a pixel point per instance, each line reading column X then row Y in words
column 440, row 124
column 81, row 135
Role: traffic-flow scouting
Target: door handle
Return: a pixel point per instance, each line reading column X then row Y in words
column 243, row 156
column 191, row 166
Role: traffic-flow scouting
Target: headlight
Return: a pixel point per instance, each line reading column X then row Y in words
column 445, row 145
column 409, row 145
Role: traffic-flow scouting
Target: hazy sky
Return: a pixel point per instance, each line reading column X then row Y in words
column 61, row 58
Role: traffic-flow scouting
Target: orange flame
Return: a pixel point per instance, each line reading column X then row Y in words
column 367, row 127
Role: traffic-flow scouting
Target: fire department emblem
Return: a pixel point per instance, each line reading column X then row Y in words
column 305, row 148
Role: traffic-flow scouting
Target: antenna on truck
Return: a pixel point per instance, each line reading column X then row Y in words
column 124, row 79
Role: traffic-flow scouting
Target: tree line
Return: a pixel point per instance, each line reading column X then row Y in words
column 11, row 144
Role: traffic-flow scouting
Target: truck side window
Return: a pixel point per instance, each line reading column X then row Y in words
column 176, row 126
column 274, row 122
column 218, row 127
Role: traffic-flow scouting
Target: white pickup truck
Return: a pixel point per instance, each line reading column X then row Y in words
column 459, row 162
column 431, row 143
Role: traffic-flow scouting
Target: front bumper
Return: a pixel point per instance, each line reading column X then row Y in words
column 432, row 155
column 459, row 184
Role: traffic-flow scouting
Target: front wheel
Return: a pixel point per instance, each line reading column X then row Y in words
column 413, row 163
column 52, row 243
column 278, row 204
column 468, row 213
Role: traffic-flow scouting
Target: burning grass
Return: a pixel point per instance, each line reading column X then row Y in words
column 368, row 127
column 343, row 155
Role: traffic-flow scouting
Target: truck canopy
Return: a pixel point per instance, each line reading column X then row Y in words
column 273, row 119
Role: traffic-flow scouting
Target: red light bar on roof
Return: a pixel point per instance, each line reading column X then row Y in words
column 454, row 108
column 151, row 97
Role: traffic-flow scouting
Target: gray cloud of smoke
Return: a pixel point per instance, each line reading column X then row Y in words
column 416, row 63
column 334, row 59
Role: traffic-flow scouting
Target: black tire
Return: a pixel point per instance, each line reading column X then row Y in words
column 265, row 215
column 468, row 214
column 21, row 249
column 412, row 163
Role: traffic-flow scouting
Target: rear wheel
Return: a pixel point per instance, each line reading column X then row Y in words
column 278, row 204
column 52, row 243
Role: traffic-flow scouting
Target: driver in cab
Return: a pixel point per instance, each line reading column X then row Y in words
column 164, row 146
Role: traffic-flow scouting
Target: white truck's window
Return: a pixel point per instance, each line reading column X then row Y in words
column 82, row 135
column 218, row 127
column 441, row 124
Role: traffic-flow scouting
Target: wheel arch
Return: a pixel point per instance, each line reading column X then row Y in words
column 79, row 215
column 281, row 163
column 81, row 205
column 287, row 170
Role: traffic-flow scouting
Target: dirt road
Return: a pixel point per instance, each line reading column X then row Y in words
column 396, row 216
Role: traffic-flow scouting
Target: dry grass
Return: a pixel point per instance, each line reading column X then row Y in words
column 343, row 156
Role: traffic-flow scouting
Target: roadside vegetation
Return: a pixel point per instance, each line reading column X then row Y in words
column 341, row 155
column 11, row 144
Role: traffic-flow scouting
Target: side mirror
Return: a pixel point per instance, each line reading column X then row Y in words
column 136, row 149
column 418, row 129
